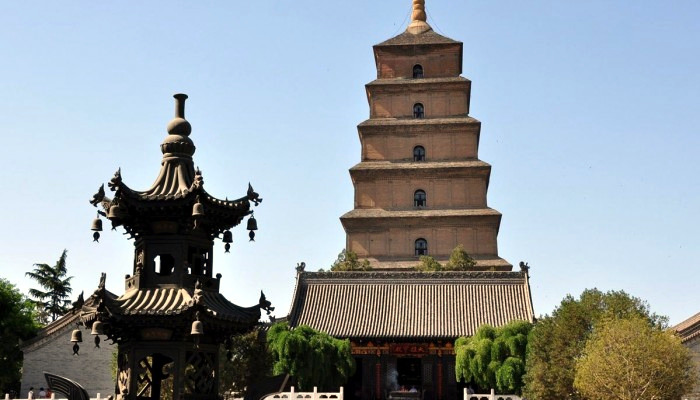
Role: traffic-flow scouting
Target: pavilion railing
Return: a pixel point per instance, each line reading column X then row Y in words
column 52, row 397
column 490, row 396
column 315, row 395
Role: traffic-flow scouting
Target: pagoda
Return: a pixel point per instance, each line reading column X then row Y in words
column 420, row 188
column 171, row 319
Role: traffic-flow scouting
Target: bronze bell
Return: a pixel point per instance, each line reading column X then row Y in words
column 76, row 336
column 97, row 328
column 252, row 224
column 228, row 237
column 96, row 225
column 197, row 209
column 115, row 212
column 197, row 328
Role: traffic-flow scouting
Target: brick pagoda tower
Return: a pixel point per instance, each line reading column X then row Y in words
column 420, row 188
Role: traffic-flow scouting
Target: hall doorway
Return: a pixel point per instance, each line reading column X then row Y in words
column 409, row 372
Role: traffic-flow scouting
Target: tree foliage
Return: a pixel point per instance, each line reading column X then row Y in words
column 459, row 260
column 348, row 261
column 557, row 341
column 631, row 359
column 246, row 362
column 314, row 358
column 55, row 299
column 428, row 263
column 17, row 321
column 494, row 357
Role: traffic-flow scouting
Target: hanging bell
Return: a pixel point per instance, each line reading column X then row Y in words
column 96, row 225
column 197, row 209
column 76, row 336
column 97, row 328
column 197, row 328
column 228, row 237
column 115, row 212
column 252, row 224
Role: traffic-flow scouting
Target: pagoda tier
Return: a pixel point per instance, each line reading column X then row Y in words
column 420, row 188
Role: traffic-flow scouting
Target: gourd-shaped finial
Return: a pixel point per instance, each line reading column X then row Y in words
column 418, row 18
column 418, row 11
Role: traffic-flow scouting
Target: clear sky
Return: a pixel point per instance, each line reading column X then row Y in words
column 589, row 111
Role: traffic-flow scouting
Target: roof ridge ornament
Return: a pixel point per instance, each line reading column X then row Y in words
column 418, row 18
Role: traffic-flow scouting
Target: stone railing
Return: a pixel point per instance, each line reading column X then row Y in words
column 315, row 395
column 490, row 396
column 52, row 397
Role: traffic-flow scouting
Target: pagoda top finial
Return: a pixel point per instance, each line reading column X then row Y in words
column 179, row 125
column 418, row 18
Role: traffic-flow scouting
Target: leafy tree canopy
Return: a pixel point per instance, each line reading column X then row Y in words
column 459, row 260
column 55, row 299
column 630, row 358
column 557, row 341
column 348, row 261
column 314, row 358
column 17, row 321
column 428, row 263
column 246, row 362
column 494, row 357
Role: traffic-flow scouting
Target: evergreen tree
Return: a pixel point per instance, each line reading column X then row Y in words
column 17, row 321
column 349, row 261
column 459, row 260
column 55, row 299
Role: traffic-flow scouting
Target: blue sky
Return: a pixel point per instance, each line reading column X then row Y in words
column 589, row 111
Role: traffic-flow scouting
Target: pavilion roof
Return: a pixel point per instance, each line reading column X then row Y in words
column 409, row 305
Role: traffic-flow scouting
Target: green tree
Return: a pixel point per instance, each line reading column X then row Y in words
column 631, row 359
column 314, row 358
column 494, row 357
column 459, row 260
column 428, row 263
column 246, row 362
column 17, row 321
column 557, row 341
column 348, row 261
column 55, row 299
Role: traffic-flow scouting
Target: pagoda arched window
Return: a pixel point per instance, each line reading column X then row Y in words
column 417, row 71
column 421, row 247
column 419, row 153
column 419, row 199
column 418, row 110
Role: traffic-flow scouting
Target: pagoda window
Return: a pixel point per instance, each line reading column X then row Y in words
column 418, row 110
column 417, row 71
column 421, row 247
column 419, row 153
column 164, row 264
column 419, row 199
column 198, row 260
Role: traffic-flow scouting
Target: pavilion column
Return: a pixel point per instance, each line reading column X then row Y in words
column 439, row 378
column 378, row 379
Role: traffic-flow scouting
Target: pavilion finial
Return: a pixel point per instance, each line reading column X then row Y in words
column 179, row 125
column 418, row 18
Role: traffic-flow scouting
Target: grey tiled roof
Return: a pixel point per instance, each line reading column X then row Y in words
column 407, row 39
column 409, row 305
column 688, row 329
